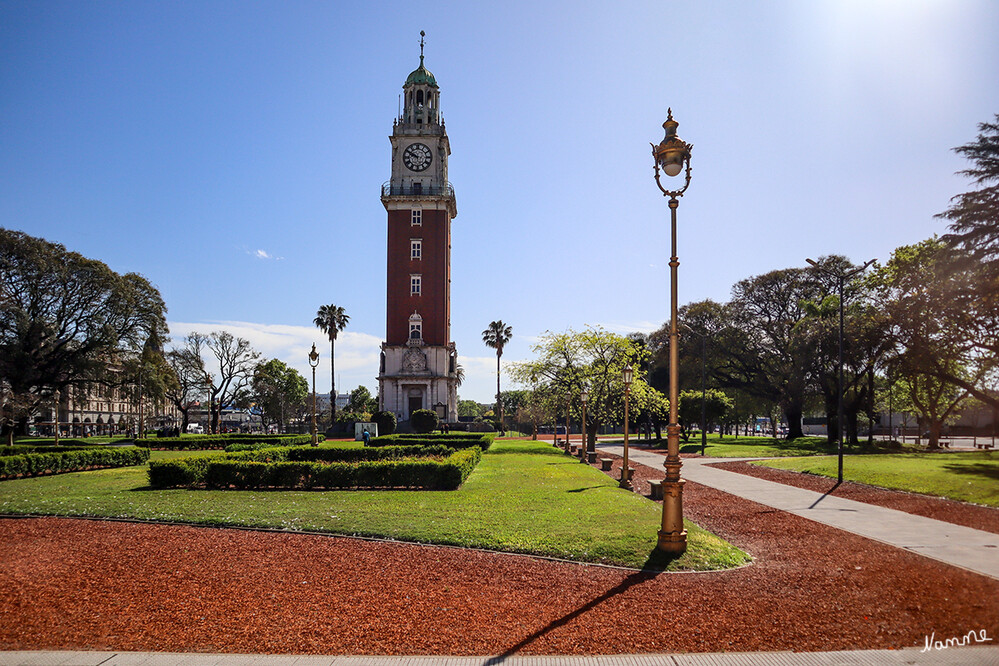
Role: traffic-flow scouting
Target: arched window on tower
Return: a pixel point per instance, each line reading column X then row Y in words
column 415, row 328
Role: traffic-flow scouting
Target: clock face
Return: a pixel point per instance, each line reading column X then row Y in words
column 417, row 157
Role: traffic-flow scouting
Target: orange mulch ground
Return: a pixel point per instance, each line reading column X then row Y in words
column 78, row 584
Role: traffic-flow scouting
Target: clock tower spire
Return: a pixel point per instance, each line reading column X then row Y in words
column 419, row 361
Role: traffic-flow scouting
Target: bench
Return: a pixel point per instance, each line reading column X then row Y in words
column 983, row 446
column 605, row 464
column 656, row 490
column 591, row 457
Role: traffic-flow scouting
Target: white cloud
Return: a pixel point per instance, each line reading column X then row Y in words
column 357, row 354
column 261, row 254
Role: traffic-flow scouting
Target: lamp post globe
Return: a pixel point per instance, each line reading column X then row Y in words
column 672, row 156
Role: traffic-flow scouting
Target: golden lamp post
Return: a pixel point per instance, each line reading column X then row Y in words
column 582, row 449
column 627, row 375
column 671, row 156
column 314, row 362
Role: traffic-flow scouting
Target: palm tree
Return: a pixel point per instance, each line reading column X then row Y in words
column 496, row 335
column 331, row 319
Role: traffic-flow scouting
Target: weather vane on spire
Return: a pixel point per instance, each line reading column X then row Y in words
column 422, row 35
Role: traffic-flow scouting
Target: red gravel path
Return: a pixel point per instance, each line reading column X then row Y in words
column 960, row 513
column 76, row 584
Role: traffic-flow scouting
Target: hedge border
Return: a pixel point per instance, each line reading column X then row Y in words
column 38, row 464
column 306, row 468
column 219, row 442
column 454, row 440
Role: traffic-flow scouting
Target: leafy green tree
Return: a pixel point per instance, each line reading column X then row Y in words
column 716, row 407
column 470, row 409
column 496, row 335
column 146, row 379
column 361, row 401
column 866, row 344
column 973, row 215
column 939, row 370
column 331, row 319
column 278, row 391
column 62, row 317
column 969, row 297
column 386, row 422
column 592, row 360
column 424, row 420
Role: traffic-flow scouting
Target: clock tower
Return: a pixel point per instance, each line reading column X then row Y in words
column 418, row 360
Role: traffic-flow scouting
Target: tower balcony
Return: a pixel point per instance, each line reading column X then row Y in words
column 417, row 190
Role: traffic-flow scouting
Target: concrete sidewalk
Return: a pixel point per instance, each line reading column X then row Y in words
column 960, row 546
column 956, row 656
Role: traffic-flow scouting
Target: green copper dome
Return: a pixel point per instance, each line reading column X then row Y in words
column 421, row 75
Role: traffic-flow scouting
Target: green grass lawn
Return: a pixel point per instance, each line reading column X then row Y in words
column 969, row 477
column 758, row 447
column 523, row 497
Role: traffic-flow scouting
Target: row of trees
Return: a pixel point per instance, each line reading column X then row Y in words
column 921, row 335
column 921, row 330
column 71, row 323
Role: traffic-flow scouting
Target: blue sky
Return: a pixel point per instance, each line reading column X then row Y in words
column 232, row 152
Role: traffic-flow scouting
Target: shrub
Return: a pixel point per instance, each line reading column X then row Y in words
column 73, row 460
column 224, row 441
column 435, row 467
column 424, row 420
column 459, row 440
column 386, row 422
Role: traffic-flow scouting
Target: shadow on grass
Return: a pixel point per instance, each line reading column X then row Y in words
column 654, row 565
column 582, row 490
column 976, row 469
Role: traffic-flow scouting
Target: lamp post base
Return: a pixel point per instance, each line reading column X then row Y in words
column 625, row 481
column 672, row 536
column 673, row 543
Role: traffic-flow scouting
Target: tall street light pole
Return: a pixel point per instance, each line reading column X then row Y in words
column 840, row 278
column 582, row 449
column 627, row 376
column 671, row 156
column 314, row 362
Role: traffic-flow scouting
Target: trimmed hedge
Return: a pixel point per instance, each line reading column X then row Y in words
column 70, row 441
column 435, row 467
column 462, row 440
column 19, row 449
column 73, row 460
column 202, row 442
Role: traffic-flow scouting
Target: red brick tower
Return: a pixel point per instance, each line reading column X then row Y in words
column 418, row 358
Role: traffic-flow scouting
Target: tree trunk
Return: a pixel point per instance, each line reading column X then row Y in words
column 935, row 428
column 332, row 381
column 792, row 414
column 499, row 401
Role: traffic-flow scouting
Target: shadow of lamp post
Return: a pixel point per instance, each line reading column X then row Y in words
column 672, row 156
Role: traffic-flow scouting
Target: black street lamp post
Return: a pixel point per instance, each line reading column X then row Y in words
column 841, row 278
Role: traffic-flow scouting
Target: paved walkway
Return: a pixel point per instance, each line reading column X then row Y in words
column 960, row 546
column 954, row 656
